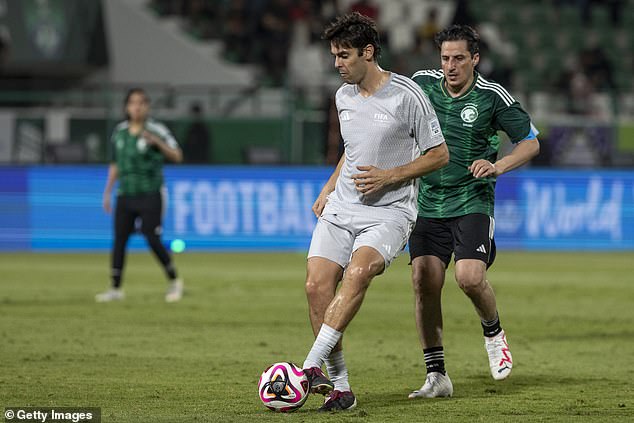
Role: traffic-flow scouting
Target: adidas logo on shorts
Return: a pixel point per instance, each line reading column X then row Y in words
column 482, row 249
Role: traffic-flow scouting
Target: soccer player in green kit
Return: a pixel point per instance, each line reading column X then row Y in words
column 139, row 147
column 455, row 202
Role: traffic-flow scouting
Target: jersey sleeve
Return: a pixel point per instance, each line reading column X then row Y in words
column 514, row 120
column 428, row 131
column 424, row 122
column 163, row 132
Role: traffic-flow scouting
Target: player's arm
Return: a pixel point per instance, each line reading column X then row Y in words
column 373, row 179
column 523, row 152
column 322, row 199
column 113, row 174
column 171, row 151
column 513, row 120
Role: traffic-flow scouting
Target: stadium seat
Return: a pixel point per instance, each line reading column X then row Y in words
column 602, row 105
column 600, row 18
column 540, row 104
column 626, row 104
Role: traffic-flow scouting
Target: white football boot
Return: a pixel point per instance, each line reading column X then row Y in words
column 174, row 291
column 500, row 359
column 113, row 294
column 436, row 385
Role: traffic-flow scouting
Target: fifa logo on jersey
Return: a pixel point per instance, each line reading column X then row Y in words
column 381, row 120
column 381, row 117
column 469, row 114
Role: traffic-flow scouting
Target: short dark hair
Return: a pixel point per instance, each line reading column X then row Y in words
column 353, row 31
column 459, row 33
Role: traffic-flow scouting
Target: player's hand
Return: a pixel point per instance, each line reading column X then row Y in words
column 150, row 138
column 482, row 168
column 106, row 203
column 371, row 179
column 319, row 204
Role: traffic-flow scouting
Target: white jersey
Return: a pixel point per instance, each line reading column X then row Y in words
column 387, row 129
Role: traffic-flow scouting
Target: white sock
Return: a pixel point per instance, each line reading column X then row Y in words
column 337, row 371
column 325, row 342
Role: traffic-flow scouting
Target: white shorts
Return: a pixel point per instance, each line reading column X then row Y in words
column 337, row 236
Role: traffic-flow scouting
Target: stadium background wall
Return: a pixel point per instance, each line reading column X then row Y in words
column 25, row 138
column 228, row 208
column 230, row 137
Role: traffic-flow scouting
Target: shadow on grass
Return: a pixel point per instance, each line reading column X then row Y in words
column 475, row 387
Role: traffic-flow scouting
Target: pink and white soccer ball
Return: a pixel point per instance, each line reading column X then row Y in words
column 283, row 387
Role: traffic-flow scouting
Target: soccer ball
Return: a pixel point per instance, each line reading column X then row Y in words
column 283, row 387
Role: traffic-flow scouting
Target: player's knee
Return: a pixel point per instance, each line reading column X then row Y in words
column 419, row 276
column 423, row 287
column 315, row 288
column 470, row 282
column 361, row 275
column 423, row 281
column 311, row 287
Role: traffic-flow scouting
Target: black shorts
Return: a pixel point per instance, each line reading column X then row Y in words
column 467, row 237
column 146, row 207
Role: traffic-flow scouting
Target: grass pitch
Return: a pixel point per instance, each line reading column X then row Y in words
column 569, row 319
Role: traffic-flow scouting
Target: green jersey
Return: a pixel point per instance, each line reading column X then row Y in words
column 139, row 166
column 470, row 124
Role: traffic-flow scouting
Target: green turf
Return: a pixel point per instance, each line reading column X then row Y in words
column 569, row 319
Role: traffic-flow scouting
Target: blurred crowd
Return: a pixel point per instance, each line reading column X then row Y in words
column 256, row 31
column 282, row 39
column 269, row 33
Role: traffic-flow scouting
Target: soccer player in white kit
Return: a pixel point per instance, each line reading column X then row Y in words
column 367, row 208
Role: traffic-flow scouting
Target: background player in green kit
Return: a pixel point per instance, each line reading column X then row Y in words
column 139, row 146
column 455, row 203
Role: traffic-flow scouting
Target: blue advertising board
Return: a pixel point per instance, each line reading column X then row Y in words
column 269, row 208
column 567, row 210
column 248, row 208
column 14, row 209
